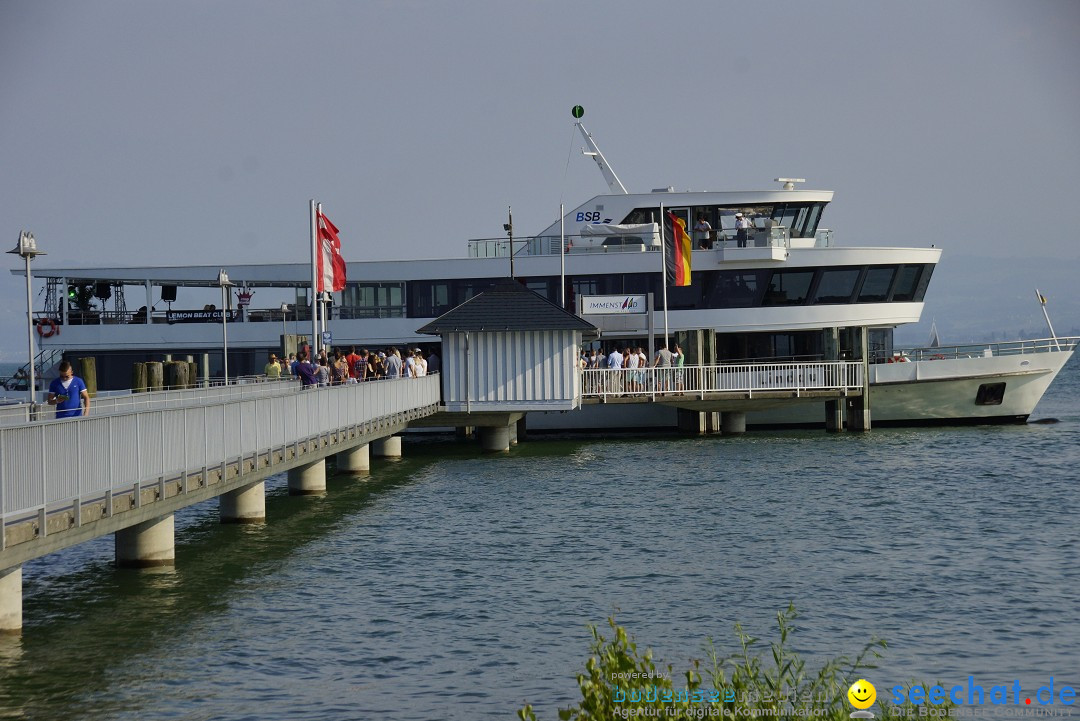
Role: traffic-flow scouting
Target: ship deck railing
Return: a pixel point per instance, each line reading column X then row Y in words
column 707, row 380
column 980, row 350
column 776, row 236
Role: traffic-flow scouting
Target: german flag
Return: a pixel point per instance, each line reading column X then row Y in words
column 677, row 249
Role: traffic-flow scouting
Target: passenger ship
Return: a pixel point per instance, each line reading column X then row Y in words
column 787, row 292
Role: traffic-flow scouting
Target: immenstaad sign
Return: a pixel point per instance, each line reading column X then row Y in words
column 613, row 304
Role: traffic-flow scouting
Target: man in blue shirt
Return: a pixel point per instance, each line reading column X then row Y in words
column 68, row 393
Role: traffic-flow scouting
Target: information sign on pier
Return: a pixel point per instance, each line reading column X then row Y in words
column 613, row 304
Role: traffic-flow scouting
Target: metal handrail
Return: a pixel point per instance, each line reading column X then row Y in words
column 977, row 350
column 44, row 465
column 656, row 382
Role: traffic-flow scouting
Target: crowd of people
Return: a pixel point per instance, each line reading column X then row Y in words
column 338, row 367
column 632, row 363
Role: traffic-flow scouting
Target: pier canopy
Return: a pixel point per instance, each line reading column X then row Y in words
column 510, row 349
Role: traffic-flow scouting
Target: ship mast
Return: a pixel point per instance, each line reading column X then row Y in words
column 594, row 152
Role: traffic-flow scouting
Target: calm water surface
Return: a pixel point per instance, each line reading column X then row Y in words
column 451, row 585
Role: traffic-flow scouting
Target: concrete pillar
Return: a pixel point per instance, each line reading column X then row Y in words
column 513, row 434
column 522, row 432
column 147, row 544
column 355, row 460
column 309, row 480
column 11, row 600
column 713, row 423
column 463, row 433
column 690, row 421
column 858, row 414
column 494, row 439
column 244, row 505
column 834, row 416
column 733, row 422
column 389, row 447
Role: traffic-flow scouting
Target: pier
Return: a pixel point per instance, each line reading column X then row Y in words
column 138, row 458
column 128, row 471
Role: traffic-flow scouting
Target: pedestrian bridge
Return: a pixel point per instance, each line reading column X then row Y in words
column 139, row 458
column 732, row 386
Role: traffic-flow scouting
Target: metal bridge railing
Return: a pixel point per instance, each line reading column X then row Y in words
column 747, row 378
column 43, row 465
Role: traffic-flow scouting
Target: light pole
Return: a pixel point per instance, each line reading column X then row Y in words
column 223, row 281
column 27, row 249
column 284, row 332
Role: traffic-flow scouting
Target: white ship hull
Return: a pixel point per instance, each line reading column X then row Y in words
column 927, row 392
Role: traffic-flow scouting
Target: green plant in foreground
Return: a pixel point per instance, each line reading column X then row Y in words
column 619, row 682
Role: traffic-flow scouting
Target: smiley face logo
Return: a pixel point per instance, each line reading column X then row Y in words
column 862, row 694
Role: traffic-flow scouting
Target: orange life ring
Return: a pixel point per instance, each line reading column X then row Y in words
column 47, row 328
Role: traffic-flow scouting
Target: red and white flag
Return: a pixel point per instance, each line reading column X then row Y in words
column 330, row 266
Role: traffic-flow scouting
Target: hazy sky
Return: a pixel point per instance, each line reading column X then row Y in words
column 144, row 132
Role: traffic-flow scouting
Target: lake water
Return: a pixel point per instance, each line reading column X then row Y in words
column 451, row 585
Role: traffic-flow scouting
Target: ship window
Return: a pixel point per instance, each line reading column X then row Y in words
column 788, row 287
column 429, row 298
column 876, row 284
column 642, row 215
column 733, row 288
column 373, row 300
column 836, row 285
column 990, row 394
column 811, row 221
column 906, row 283
column 924, row 282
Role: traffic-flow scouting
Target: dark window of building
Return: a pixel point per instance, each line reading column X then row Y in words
column 788, row 287
column 990, row 394
column 876, row 284
column 836, row 285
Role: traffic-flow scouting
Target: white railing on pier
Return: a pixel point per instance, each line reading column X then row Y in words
column 109, row 402
column 653, row 383
column 52, row 464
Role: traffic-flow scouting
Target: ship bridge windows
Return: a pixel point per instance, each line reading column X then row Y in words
column 788, row 287
column 876, row 284
column 801, row 219
column 836, row 285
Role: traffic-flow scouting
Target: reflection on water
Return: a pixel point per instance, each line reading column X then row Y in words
column 453, row 585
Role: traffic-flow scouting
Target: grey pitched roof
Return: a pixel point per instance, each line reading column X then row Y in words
column 509, row 306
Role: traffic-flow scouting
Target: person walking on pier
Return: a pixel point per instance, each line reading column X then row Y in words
column 68, row 393
column 393, row 364
column 306, row 371
column 273, row 368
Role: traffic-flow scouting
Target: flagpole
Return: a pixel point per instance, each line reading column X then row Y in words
column 663, row 257
column 319, row 299
column 1042, row 303
column 562, row 257
column 314, row 283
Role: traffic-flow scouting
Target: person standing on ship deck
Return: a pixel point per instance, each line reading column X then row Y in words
column 701, row 233
column 742, row 227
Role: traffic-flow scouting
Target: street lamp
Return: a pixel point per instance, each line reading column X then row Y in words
column 284, row 331
column 223, row 281
column 27, row 249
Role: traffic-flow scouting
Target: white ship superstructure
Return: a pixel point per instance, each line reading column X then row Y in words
column 787, row 292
